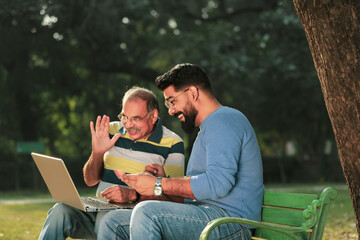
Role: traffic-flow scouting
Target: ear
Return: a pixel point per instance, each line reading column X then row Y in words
column 194, row 92
column 155, row 116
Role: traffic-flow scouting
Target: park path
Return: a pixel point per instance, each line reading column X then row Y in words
column 25, row 201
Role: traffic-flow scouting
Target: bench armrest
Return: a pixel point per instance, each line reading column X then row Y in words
column 286, row 230
column 311, row 214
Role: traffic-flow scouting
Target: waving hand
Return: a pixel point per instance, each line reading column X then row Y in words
column 100, row 139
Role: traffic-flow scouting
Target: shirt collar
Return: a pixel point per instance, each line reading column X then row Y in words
column 155, row 136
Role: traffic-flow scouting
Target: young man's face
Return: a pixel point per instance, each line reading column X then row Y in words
column 137, row 121
column 180, row 106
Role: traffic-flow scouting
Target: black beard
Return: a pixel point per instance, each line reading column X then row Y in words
column 190, row 115
column 188, row 126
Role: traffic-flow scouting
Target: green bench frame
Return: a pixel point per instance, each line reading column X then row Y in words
column 286, row 216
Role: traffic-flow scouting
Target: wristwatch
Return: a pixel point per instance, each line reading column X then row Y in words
column 158, row 191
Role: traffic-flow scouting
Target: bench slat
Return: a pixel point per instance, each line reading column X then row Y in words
column 291, row 200
column 268, row 234
column 287, row 216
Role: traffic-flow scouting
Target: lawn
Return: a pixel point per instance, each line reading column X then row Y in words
column 24, row 221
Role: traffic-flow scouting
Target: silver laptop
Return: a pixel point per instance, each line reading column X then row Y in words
column 62, row 188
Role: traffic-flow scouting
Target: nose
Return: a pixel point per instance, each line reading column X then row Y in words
column 128, row 124
column 171, row 111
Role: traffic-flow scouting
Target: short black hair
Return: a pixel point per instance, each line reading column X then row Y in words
column 184, row 75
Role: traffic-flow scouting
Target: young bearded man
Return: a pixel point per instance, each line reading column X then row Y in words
column 224, row 174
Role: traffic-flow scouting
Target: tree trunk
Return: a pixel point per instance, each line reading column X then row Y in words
column 332, row 28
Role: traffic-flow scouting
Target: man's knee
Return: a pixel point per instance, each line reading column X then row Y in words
column 107, row 218
column 147, row 212
column 116, row 217
column 115, row 223
column 60, row 209
column 150, row 209
column 146, row 208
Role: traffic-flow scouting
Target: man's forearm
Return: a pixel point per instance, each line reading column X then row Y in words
column 93, row 169
column 173, row 188
column 179, row 187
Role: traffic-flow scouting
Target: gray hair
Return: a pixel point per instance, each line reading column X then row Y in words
column 144, row 94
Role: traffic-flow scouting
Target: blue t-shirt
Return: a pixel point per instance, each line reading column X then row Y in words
column 225, row 165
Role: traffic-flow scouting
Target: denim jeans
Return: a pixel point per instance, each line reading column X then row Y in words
column 167, row 220
column 64, row 221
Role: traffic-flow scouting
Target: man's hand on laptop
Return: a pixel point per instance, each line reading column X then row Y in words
column 119, row 194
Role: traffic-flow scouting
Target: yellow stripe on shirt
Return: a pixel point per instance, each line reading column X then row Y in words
column 129, row 166
column 174, row 171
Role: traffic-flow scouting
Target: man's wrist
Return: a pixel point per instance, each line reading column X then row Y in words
column 97, row 156
column 158, row 192
column 180, row 187
column 165, row 185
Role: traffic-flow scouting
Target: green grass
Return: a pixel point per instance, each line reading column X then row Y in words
column 30, row 194
column 24, row 221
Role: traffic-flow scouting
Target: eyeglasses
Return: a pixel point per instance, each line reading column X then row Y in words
column 134, row 120
column 170, row 103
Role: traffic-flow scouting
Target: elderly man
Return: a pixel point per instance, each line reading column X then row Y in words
column 224, row 173
column 139, row 139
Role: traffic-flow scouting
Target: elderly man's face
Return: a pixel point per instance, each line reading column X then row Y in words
column 137, row 121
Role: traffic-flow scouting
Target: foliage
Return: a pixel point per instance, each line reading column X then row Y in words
column 62, row 63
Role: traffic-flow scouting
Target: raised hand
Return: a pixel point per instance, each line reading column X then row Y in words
column 100, row 139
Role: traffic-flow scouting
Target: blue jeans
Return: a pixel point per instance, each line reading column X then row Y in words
column 64, row 221
column 167, row 220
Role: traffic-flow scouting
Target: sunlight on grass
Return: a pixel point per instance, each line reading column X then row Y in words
column 341, row 219
column 24, row 221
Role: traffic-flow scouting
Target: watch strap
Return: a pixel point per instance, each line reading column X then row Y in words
column 158, row 181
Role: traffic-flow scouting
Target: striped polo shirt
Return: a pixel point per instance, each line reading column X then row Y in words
column 162, row 147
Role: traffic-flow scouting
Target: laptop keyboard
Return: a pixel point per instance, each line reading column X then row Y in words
column 96, row 203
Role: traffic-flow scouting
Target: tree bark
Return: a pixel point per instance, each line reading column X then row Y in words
column 332, row 28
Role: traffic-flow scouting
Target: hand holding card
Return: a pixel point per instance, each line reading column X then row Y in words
column 143, row 183
column 119, row 174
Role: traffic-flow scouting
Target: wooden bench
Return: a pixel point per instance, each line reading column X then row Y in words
column 286, row 216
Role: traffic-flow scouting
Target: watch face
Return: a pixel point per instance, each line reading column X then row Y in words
column 157, row 191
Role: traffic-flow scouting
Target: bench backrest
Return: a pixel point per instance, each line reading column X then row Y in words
column 288, row 209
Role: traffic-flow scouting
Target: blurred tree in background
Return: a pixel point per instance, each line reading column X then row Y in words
column 62, row 63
